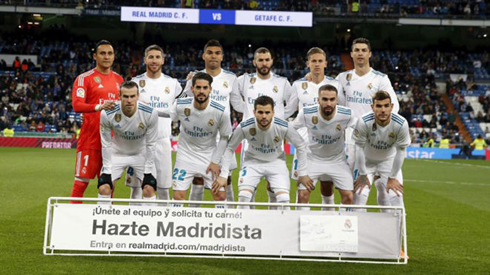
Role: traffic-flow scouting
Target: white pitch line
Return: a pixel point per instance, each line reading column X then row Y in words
column 456, row 163
column 448, row 182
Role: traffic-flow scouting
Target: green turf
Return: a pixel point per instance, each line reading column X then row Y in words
column 448, row 206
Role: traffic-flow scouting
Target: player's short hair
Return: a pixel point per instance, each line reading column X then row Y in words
column 315, row 50
column 128, row 85
column 262, row 50
column 327, row 87
column 361, row 40
column 153, row 47
column 201, row 75
column 100, row 43
column 213, row 43
column 264, row 100
column 381, row 95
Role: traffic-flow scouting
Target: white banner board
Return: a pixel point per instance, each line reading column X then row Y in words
column 206, row 231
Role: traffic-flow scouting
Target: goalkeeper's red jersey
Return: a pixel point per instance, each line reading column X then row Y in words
column 89, row 89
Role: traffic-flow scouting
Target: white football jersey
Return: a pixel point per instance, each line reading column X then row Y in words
column 160, row 94
column 325, row 137
column 380, row 143
column 305, row 93
column 198, row 130
column 135, row 135
column 251, row 87
column 223, row 90
column 265, row 146
column 356, row 92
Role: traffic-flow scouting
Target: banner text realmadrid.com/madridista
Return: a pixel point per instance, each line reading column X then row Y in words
column 224, row 17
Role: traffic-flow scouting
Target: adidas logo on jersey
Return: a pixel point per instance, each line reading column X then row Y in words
column 117, row 126
column 100, row 86
column 253, row 139
column 251, row 87
column 305, row 92
column 315, row 128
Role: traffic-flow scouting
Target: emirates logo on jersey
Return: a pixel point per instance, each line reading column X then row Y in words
column 142, row 83
column 225, row 84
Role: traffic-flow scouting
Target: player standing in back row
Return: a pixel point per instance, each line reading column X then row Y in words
column 93, row 91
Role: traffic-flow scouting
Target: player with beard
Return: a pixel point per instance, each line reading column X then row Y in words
column 326, row 124
column 224, row 93
column 263, row 83
column 160, row 92
column 265, row 155
column 199, row 155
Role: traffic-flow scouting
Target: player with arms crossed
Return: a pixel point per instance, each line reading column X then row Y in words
column 265, row 155
column 305, row 94
column 326, row 124
column 381, row 138
column 93, row 91
column 159, row 91
column 357, row 88
column 263, row 82
column 135, row 129
column 224, row 93
column 201, row 119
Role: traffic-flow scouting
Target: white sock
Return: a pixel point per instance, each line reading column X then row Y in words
column 244, row 196
column 272, row 199
column 305, row 208
column 104, row 197
column 197, row 194
column 136, row 194
column 328, row 200
column 149, row 199
column 361, row 199
column 282, row 198
column 163, row 194
column 230, row 196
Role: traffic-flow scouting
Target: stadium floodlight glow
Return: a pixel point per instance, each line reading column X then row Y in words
column 221, row 17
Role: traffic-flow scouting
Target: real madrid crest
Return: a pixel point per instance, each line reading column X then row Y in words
column 211, row 122
column 348, row 77
column 252, row 131
column 392, row 135
column 142, row 83
column 339, row 128
column 275, row 89
column 167, row 90
column 304, row 85
column 141, row 126
column 225, row 84
column 252, row 80
column 117, row 117
column 277, row 139
column 356, row 133
column 97, row 79
column 314, row 120
column 187, row 111
column 370, row 86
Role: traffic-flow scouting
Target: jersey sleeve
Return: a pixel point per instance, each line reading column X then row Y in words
column 340, row 92
column 236, row 98
column 233, row 142
column 300, row 145
column 291, row 103
column 386, row 86
column 224, row 132
column 151, row 139
column 79, row 96
column 360, row 133
column 187, row 89
column 240, row 85
column 106, row 140
column 299, row 121
column 403, row 138
column 178, row 89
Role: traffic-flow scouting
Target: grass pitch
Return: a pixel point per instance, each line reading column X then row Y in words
column 448, row 217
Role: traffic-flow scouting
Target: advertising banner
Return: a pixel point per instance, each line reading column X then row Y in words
column 199, row 231
column 50, row 143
